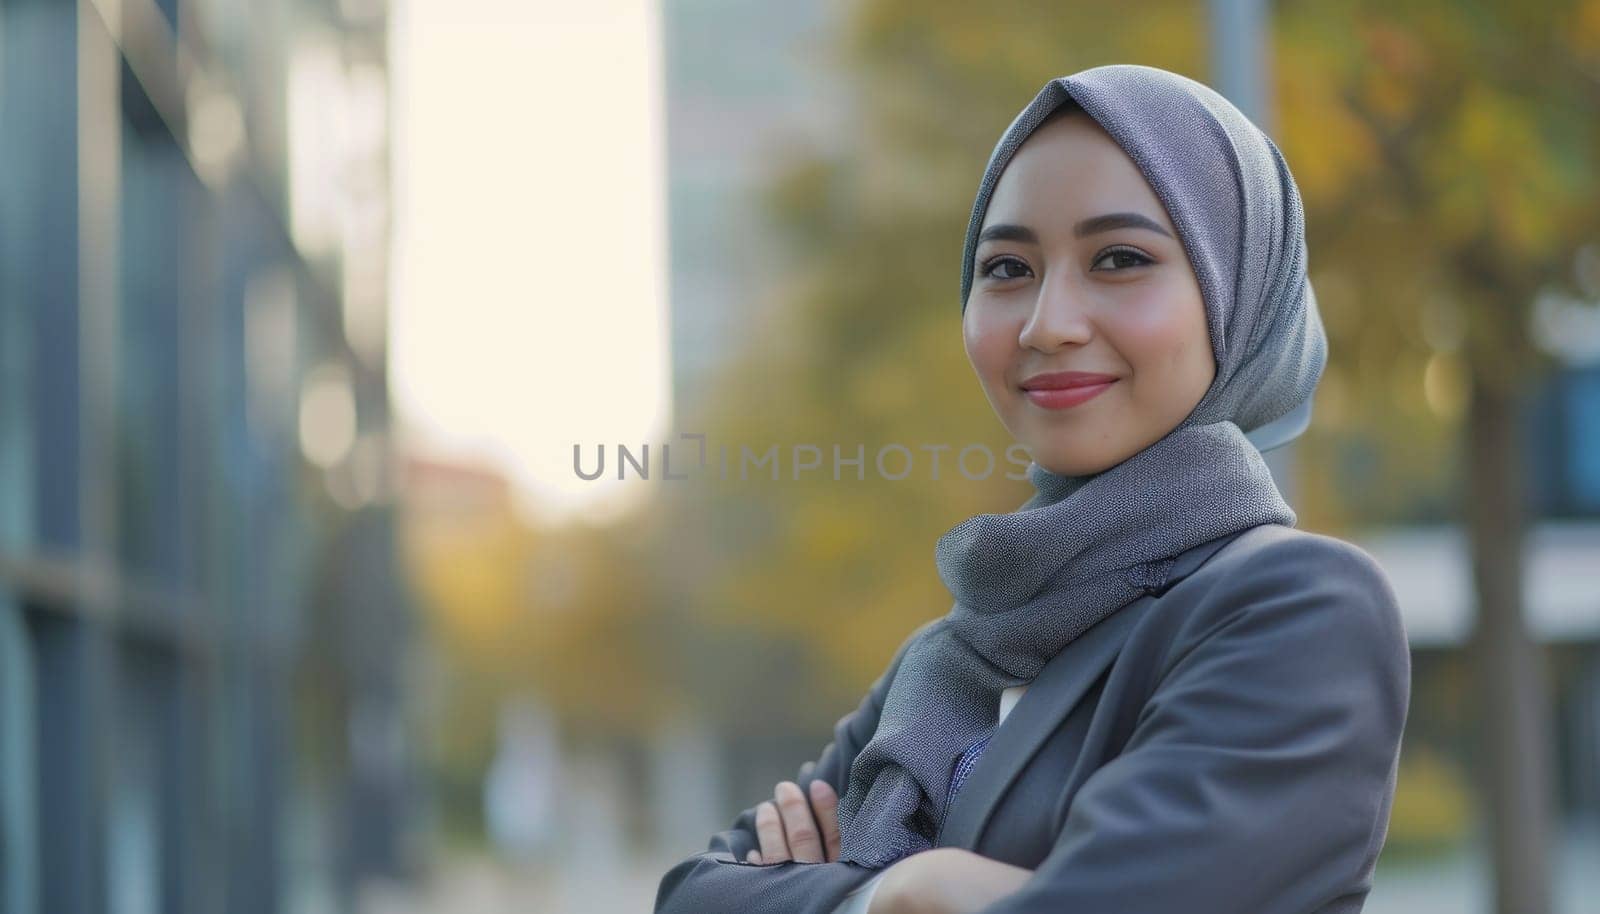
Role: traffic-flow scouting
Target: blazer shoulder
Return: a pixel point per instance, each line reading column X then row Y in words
column 1277, row 568
column 1268, row 547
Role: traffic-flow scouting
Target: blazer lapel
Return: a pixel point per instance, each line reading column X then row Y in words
column 1052, row 695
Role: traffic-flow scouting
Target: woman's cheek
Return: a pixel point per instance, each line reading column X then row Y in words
column 1155, row 336
column 990, row 353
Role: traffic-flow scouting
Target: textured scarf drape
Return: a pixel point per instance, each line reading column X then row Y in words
column 1028, row 582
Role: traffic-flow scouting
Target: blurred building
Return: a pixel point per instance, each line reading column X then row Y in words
column 1430, row 566
column 203, row 635
column 744, row 83
column 1565, row 442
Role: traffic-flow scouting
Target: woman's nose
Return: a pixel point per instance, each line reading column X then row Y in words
column 1059, row 317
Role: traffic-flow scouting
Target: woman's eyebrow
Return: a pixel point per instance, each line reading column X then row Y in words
column 1006, row 231
column 1115, row 221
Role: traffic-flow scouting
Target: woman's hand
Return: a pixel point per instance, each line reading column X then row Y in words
column 945, row 880
column 788, row 829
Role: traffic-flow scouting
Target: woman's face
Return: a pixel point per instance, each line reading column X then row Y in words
column 1079, row 269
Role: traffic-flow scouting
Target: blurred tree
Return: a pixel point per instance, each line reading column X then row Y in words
column 1447, row 153
column 514, row 610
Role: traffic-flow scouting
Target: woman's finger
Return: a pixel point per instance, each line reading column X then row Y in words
column 799, row 828
column 825, row 803
column 769, row 828
column 753, row 857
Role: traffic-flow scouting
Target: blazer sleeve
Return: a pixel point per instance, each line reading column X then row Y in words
column 719, row 880
column 1259, row 774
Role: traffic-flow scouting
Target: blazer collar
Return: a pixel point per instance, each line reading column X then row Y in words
column 1052, row 695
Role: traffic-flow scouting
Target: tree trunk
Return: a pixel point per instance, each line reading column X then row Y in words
column 1508, row 666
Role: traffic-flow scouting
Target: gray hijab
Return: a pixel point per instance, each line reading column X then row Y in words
column 1028, row 582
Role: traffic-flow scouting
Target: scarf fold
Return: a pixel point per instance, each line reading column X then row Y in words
column 1029, row 582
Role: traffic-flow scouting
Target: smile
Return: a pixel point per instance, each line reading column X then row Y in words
column 1066, row 397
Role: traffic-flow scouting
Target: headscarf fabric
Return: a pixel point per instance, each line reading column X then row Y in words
column 1028, row 582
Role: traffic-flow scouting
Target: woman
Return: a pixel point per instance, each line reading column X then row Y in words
column 1153, row 694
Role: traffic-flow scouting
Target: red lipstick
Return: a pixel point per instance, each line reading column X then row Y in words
column 1064, row 389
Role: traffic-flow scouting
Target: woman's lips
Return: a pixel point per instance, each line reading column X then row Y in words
column 1066, row 397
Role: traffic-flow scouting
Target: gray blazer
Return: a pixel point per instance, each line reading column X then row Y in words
column 1226, row 745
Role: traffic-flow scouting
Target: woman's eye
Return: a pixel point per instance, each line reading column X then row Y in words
column 1123, row 258
column 992, row 268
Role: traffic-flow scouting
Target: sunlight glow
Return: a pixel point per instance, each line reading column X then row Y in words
column 529, row 268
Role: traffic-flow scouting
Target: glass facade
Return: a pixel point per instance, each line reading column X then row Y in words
column 164, row 545
column 1564, row 459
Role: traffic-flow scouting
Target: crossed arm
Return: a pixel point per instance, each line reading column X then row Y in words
column 944, row 880
column 1257, row 778
column 781, row 856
